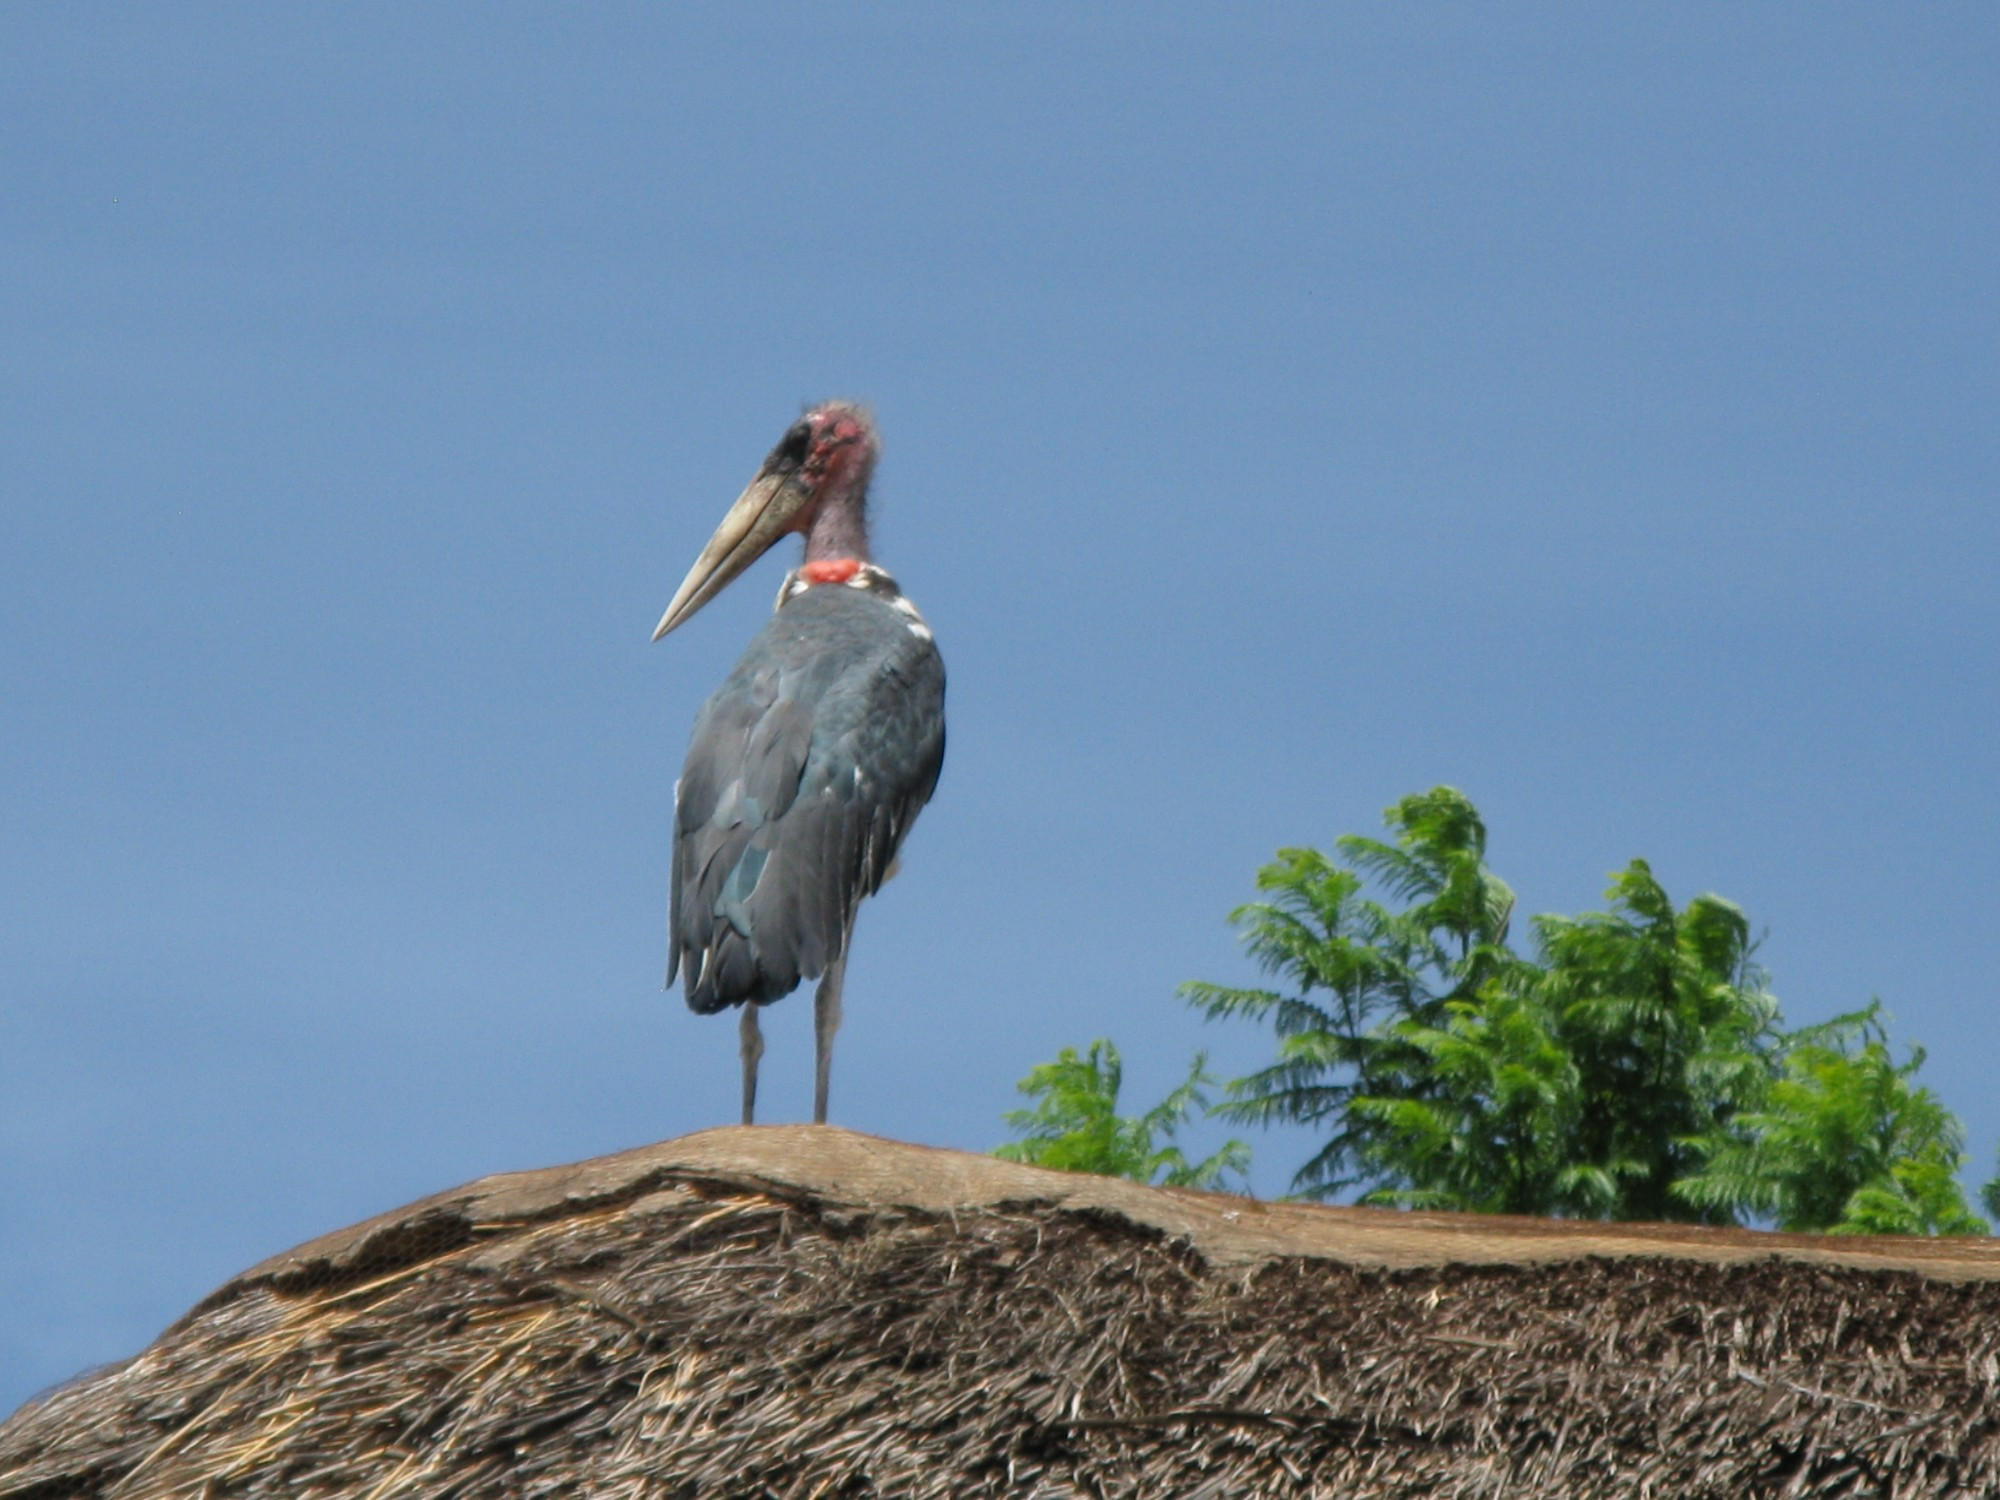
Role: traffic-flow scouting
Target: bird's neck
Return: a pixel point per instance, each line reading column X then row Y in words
column 839, row 530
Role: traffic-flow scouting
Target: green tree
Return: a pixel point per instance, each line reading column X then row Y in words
column 1472, row 1113
column 1075, row 1126
column 1843, row 1143
column 1634, row 1053
column 1364, row 981
column 1671, row 1033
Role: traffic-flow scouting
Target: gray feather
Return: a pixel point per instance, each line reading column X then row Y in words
column 805, row 771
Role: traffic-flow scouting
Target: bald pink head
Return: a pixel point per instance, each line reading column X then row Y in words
column 836, row 448
column 814, row 482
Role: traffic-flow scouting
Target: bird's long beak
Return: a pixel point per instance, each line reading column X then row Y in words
column 762, row 513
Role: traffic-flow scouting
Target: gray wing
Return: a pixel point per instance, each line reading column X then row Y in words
column 806, row 769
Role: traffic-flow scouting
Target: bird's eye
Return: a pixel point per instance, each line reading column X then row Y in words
column 792, row 447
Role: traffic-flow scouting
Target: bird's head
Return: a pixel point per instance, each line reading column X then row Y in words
column 816, row 478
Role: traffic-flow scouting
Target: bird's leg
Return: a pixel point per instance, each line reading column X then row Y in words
column 753, row 1048
column 826, row 1021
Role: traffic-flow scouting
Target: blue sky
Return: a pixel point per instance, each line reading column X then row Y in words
column 1591, row 408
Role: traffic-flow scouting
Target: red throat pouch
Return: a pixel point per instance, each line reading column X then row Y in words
column 831, row 570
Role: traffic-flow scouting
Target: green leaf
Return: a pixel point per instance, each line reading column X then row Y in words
column 1074, row 1124
column 1844, row 1142
column 1631, row 1064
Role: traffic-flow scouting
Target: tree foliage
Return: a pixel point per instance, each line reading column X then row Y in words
column 1669, row 1029
column 1843, row 1142
column 1365, row 981
column 1075, row 1126
column 1630, row 1065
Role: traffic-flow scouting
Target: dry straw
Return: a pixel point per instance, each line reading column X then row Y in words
column 811, row 1313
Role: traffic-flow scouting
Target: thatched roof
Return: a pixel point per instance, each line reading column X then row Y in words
column 801, row 1311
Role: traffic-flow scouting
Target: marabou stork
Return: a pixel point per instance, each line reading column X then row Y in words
column 812, row 760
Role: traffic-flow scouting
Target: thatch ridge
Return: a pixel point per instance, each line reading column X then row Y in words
column 829, row 1165
column 802, row 1310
